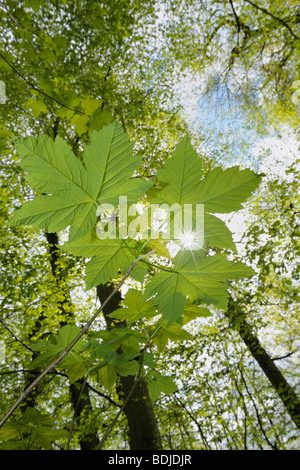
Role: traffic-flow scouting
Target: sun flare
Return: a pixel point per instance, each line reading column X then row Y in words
column 187, row 240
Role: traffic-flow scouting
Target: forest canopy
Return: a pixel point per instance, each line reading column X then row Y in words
column 121, row 328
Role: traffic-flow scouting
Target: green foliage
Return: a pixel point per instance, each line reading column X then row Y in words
column 76, row 188
column 200, row 278
column 51, row 349
column 196, row 277
column 34, row 431
column 104, row 176
column 115, row 364
column 71, row 68
column 221, row 191
column 108, row 257
column 136, row 308
column 158, row 384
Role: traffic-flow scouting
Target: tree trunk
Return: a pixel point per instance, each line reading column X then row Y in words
column 144, row 432
column 81, row 403
column 285, row 392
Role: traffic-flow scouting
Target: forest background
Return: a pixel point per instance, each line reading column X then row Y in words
column 225, row 73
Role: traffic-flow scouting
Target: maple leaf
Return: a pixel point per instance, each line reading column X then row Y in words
column 197, row 277
column 221, row 191
column 75, row 189
column 108, row 257
column 135, row 308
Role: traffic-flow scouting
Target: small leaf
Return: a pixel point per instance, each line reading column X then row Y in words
column 173, row 332
column 91, row 105
column 36, row 107
column 136, row 308
column 100, row 119
column 80, row 123
column 191, row 312
column 113, row 364
column 158, row 384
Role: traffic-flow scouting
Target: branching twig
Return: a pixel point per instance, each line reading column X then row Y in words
column 71, row 345
column 278, row 358
column 193, row 419
column 273, row 16
column 16, row 338
column 273, row 446
column 236, row 18
column 61, row 374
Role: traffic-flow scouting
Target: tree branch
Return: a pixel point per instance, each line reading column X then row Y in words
column 284, row 390
column 274, row 17
column 236, row 18
column 37, row 88
column 16, row 338
column 118, row 414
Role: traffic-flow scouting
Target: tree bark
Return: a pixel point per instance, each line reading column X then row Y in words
column 143, row 427
column 81, row 402
column 284, row 390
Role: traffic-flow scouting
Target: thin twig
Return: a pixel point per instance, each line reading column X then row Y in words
column 236, row 18
column 16, row 338
column 75, row 411
column 279, row 358
column 193, row 419
column 86, row 327
column 273, row 446
column 37, row 88
column 273, row 16
column 118, row 414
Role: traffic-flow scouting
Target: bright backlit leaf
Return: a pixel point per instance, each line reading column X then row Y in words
column 75, row 189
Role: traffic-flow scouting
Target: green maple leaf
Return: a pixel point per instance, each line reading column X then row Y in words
column 221, row 191
column 52, row 348
column 109, row 256
column 135, row 308
column 75, row 189
column 158, row 384
column 116, row 364
column 198, row 277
